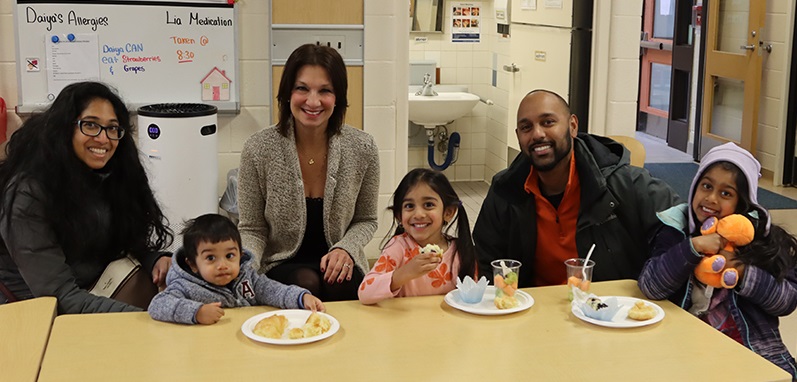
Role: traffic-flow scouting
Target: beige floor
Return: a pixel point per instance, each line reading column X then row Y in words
column 472, row 195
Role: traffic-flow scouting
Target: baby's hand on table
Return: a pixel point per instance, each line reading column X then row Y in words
column 313, row 303
column 209, row 313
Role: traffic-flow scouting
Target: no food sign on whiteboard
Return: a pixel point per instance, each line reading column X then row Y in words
column 151, row 51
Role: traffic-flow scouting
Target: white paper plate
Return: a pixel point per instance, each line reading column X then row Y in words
column 487, row 307
column 296, row 319
column 620, row 319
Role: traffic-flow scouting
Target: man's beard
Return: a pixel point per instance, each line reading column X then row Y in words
column 558, row 155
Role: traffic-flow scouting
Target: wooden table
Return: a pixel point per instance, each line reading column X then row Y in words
column 24, row 330
column 407, row 339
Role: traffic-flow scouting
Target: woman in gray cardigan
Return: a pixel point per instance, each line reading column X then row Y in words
column 308, row 186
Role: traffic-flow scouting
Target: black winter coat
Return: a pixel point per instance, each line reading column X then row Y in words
column 618, row 213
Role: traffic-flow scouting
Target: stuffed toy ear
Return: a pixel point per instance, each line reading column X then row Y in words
column 709, row 226
column 737, row 229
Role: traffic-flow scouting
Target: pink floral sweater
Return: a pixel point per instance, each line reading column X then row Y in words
column 401, row 249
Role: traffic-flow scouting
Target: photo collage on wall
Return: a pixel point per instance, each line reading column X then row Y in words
column 465, row 22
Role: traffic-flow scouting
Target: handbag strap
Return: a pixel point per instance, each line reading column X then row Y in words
column 7, row 292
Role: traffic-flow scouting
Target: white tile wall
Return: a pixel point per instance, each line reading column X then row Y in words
column 8, row 76
column 372, row 250
column 7, row 51
column 255, row 91
column 385, row 78
column 380, row 119
column 380, row 90
column 615, row 69
column 254, row 30
column 624, row 73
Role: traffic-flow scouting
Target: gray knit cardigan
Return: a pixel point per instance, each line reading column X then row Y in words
column 271, row 202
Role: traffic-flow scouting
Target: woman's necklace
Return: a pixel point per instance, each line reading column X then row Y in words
column 311, row 160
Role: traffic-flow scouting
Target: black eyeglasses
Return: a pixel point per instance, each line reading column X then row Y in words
column 93, row 129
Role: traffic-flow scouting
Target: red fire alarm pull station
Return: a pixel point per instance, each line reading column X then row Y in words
column 697, row 15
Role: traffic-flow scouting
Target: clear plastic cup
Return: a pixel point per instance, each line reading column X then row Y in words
column 576, row 270
column 505, row 279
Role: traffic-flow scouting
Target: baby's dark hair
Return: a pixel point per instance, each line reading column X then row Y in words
column 775, row 252
column 438, row 182
column 210, row 228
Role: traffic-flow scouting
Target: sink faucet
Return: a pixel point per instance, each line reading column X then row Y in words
column 427, row 87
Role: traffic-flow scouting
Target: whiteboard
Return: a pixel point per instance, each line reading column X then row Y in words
column 150, row 51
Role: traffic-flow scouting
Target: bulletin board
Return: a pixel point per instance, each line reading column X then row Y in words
column 150, row 51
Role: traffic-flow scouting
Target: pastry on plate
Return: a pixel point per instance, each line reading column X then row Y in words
column 506, row 302
column 296, row 333
column 316, row 324
column 641, row 311
column 271, row 327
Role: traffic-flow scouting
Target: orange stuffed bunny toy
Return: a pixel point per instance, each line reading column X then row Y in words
column 712, row 270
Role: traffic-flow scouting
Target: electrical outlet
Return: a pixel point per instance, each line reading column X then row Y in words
column 348, row 42
column 337, row 42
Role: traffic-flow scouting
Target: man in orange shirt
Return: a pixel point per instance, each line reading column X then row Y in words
column 564, row 192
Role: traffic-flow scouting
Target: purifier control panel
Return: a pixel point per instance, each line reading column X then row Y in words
column 153, row 131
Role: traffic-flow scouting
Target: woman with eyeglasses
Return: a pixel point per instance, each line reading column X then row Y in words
column 75, row 197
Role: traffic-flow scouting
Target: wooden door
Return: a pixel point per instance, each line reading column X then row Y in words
column 733, row 67
column 317, row 12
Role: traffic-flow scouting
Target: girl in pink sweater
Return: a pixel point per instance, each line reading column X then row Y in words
column 423, row 206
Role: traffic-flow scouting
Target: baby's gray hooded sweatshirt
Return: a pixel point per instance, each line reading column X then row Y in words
column 186, row 292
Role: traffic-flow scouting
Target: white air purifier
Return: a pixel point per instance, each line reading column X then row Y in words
column 180, row 146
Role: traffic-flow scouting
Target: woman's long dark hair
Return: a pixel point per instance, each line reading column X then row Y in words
column 327, row 58
column 776, row 252
column 438, row 182
column 42, row 150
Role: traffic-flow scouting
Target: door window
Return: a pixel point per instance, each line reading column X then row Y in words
column 660, row 86
column 664, row 19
